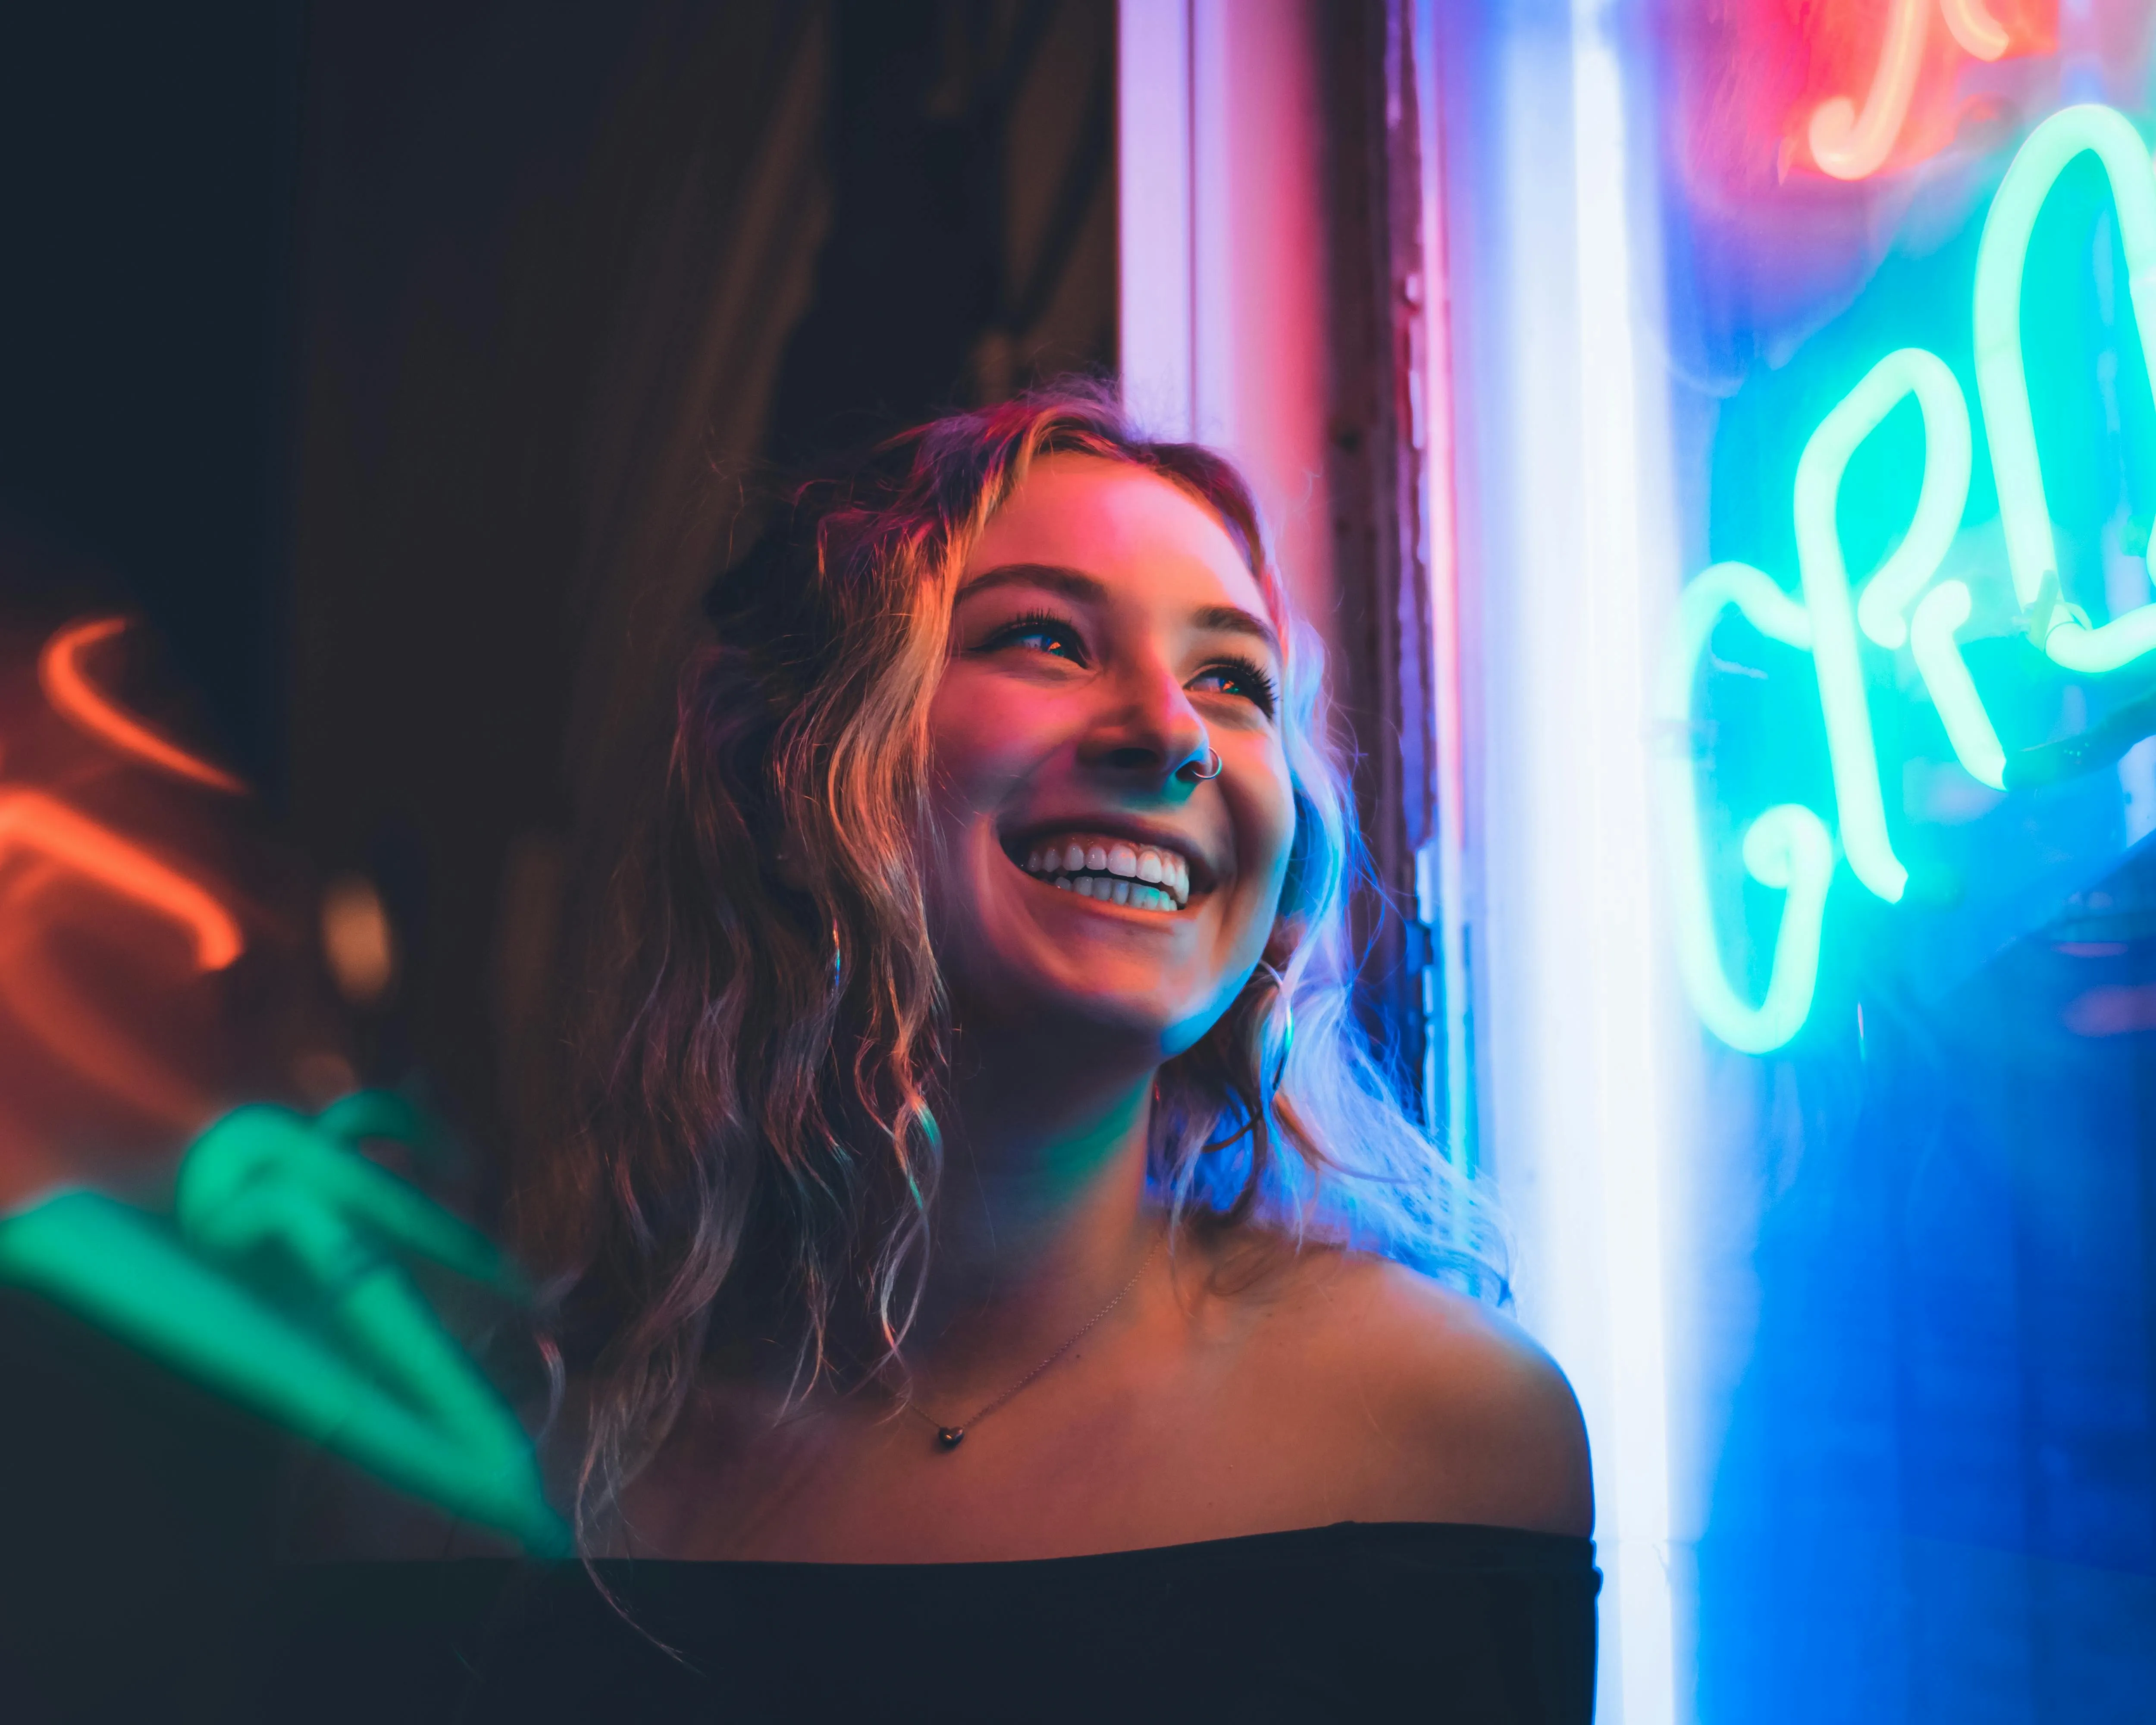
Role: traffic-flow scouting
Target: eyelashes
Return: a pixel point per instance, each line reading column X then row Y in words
column 1036, row 622
column 1257, row 680
column 1256, row 684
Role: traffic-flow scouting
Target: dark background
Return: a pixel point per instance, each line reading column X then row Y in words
column 406, row 364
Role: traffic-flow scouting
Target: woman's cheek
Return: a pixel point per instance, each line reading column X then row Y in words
column 1269, row 820
column 979, row 732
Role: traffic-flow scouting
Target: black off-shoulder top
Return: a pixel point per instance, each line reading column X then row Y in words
column 1391, row 1620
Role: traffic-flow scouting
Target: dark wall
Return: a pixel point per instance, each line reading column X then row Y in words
column 484, row 189
column 399, row 361
column 407, row 365
column 972, row 151
column 572, row 275
column 147, row 162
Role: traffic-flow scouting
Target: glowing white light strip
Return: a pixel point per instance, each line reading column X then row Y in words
column 1605, row 719
column 1154, row 230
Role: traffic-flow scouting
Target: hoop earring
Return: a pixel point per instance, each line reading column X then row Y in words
column 1287, row 1040
column 1286, row 1046
column 1262, row 1116
column 1198, row 775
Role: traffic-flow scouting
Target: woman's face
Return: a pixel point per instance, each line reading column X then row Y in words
column 1108, row 643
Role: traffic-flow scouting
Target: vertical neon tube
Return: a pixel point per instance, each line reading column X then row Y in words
column 1615, row 1058
column 1153, row 214
column 1447, row 913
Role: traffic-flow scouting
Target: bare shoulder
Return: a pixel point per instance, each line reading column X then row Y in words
column 1441, row 1410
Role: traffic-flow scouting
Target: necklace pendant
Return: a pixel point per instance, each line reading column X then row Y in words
column 949, row 1437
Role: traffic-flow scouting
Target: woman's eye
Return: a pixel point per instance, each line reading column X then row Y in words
column 1043, row 635
column 1240, row 679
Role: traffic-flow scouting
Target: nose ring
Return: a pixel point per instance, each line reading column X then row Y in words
column 1197, row 775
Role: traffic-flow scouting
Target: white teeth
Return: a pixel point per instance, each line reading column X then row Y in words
column 1132, row 893
column 1144, row 876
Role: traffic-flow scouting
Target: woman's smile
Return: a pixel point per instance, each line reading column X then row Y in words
column 1108, row 862
column 1111, row 871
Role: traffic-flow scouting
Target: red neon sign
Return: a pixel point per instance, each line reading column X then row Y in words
column 1880, row 93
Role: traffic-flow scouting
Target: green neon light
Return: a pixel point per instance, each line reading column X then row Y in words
column 1945, row 672
column 258, row 1149
column 2002, row 381
column 1787, row 848
column 365, row 1368
column 1910, row 371
column 1940, row 498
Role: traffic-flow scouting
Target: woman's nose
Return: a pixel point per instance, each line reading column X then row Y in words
column 1153, row 733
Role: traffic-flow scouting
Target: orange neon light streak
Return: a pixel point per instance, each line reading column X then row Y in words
column 47, row 1007
column 30, row 820
column 1977, row 31
column 76, row 698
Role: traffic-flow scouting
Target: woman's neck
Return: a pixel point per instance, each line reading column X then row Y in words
column 1041, row 1209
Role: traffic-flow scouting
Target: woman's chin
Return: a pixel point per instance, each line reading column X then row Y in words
column 1106, row 999
column 1015, row 966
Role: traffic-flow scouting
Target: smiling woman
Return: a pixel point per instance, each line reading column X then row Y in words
column 976, row 1160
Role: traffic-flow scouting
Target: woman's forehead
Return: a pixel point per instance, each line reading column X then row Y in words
column 1119, row 522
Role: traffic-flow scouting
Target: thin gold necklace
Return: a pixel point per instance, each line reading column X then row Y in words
column 949, row 1437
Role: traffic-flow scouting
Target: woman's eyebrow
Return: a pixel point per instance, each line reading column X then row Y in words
column 1081, row 588
column 1074, row 584
column 1236, row 621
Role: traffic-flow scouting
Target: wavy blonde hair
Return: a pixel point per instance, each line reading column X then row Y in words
column 752, row 1138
